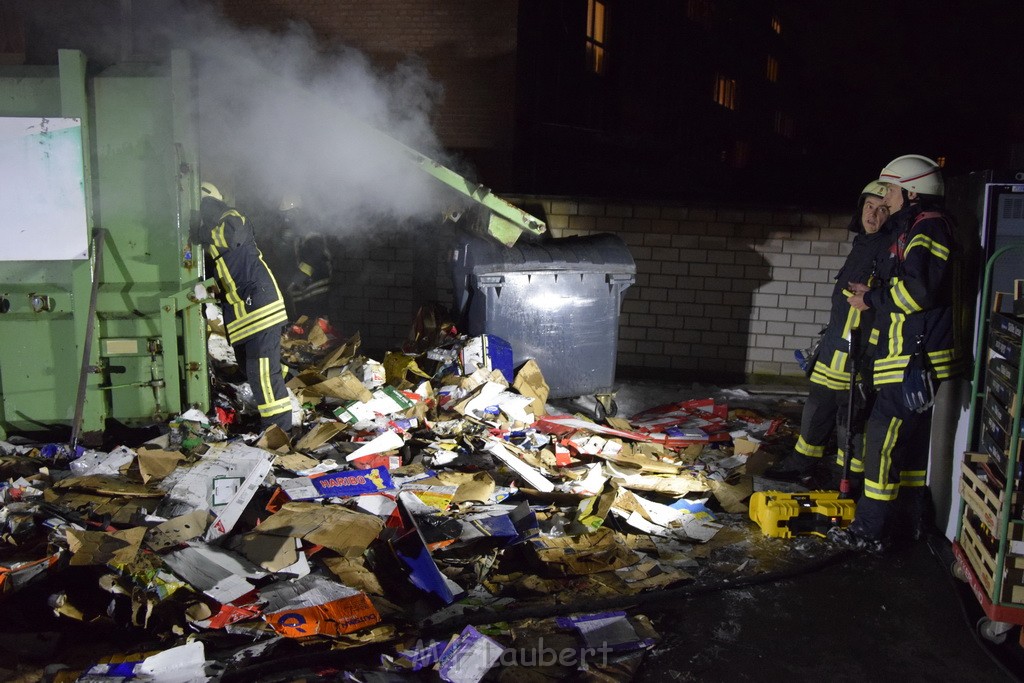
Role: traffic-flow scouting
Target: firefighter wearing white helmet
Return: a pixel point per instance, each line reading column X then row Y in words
column 918, row 346
column 254, row 309
column 829, row 371
column 914, row 173
column 208, row 189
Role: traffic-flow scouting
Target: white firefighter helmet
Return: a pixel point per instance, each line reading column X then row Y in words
column 208, row 189
column 289, row 202
column 874, row 188
column 914, row 173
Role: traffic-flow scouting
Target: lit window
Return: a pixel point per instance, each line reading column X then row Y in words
column 595, row 36
column 776, row 25
column 784, row 125
column 725, row 92
column 941, row 161
column 773, row 69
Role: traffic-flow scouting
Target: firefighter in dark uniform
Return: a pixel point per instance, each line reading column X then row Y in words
column 915, row 320
column 828, row 397
column 309, row 291
column 254, row 311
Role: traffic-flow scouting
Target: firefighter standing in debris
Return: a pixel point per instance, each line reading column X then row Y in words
column 254, row 310
column 918, row 346
column 309, row 291
column 830, row 371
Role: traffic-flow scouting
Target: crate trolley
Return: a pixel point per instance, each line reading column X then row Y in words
column 989, row 542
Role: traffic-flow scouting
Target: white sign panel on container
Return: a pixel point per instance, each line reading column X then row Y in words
column 42, row 190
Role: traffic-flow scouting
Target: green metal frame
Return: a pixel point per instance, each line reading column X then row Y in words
column 137, row 297
column 75, row 103
column 505, row 222
column 193, row 354
column 977, row 394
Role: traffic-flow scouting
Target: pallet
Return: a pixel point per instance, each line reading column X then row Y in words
column 985, row 499
column 982, row 559
column 1010, row 614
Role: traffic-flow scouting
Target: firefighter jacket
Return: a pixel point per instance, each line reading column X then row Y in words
column 315, row 268
column 916, row 310
column 868, row 252
column 253, row 301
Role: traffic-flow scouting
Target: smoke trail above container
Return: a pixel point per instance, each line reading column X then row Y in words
column 278, row 115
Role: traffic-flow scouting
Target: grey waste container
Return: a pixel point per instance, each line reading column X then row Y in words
column 555, row 301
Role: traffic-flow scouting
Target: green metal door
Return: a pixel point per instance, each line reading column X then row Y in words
column 86, row 335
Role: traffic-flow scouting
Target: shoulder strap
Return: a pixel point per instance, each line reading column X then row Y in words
column 950, row 226
column 928, row 214
column 901, row 238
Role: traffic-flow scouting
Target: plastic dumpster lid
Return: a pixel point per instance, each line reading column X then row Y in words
column 603, row 252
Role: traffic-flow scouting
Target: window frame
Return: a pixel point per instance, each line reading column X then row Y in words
column 596, row 33
column 724, row 92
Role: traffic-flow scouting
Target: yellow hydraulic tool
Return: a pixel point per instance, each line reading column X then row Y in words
column 813, row 513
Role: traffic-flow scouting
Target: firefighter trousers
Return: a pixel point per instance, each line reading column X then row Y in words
column 260, row 356
column 897, row 443
column 818, row 420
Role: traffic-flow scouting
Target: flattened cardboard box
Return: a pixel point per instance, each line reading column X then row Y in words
column 584, row 554
column 384, row 401
column 99, row 547
column 316, row 605
column 346, row 532
column 223, row 481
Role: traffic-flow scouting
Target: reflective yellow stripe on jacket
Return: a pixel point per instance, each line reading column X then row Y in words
column 945, row 363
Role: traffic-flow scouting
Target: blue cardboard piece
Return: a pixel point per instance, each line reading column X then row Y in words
column 490, row 352
column 694, row 506
column 412, row 550
column 353, row 482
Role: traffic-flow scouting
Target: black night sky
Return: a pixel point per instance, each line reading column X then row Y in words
column 890, row 77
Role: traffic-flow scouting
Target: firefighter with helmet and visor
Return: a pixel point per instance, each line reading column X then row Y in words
column 826, row 409
column 254, row 310
column 917, row 345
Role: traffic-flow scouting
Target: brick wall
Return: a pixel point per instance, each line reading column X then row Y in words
column 467, row 45
column 383, row 280
column 721, row 292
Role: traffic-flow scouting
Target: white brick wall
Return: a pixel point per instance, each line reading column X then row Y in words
column 719, row 291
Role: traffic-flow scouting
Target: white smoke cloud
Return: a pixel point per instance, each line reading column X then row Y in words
column 278, row 112
column 278, row 115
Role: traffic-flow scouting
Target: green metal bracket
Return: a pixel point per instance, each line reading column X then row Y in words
column 505, row 222
column 194, row 359
column 89, row 414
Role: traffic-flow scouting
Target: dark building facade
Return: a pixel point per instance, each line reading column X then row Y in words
column 659, row 99
column 682, row 100
column 739, row 100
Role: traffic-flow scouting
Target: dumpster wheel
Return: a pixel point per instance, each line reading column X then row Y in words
column 605, row 407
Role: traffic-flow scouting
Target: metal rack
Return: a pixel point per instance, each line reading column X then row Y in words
column 990, row 526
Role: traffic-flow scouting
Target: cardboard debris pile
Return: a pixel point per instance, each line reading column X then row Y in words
column 419, row 489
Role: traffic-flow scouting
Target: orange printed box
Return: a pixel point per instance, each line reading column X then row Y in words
column 333, row 618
